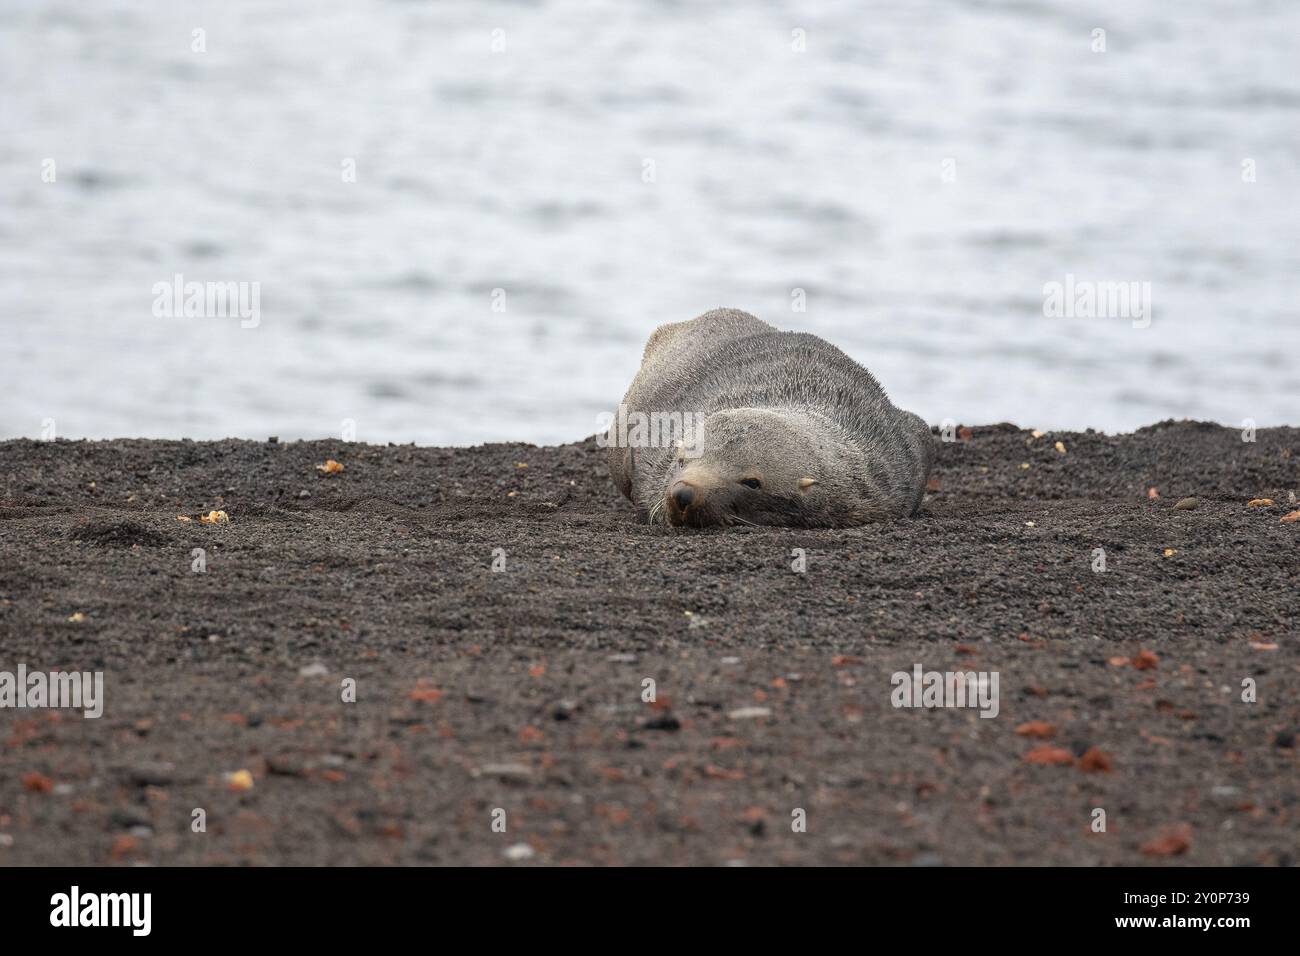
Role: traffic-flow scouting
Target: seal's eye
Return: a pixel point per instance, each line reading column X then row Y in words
column 752, row 483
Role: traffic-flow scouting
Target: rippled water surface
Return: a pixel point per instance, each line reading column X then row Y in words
column 524, row 170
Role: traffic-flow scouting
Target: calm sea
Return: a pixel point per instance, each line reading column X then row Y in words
column 461, row 220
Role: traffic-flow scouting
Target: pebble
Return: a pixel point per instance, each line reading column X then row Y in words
column 749, row 713
column 621, row 658
column 666, row 722
column 316, row 669
column 520, row 851
column 151, row 774
column 1187, row 504
column 127, row 820
column 507, row 771
column 286, row 765
column 731, row 660
column 1226, row 797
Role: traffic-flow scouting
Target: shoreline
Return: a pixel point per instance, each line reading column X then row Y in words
column 521, row 690
column 315, row 439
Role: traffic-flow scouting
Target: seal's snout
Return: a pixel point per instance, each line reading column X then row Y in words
column 685, row 500
column 683, row 495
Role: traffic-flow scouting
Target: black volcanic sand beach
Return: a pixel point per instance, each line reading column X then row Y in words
column 522, row 690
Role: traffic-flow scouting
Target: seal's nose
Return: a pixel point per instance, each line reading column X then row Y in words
column 683, row 495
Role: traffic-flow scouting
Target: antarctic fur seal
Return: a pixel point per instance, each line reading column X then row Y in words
column 771, row 428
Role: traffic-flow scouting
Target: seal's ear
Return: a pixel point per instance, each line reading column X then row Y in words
column 805, row 484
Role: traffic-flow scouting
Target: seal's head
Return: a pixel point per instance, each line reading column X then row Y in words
column 761, row 466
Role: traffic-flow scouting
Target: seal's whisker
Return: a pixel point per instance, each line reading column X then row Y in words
column 654, row 512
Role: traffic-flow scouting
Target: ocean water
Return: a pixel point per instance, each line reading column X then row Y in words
column 464, row 218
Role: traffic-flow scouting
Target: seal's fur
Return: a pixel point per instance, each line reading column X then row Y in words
column 784, row 411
